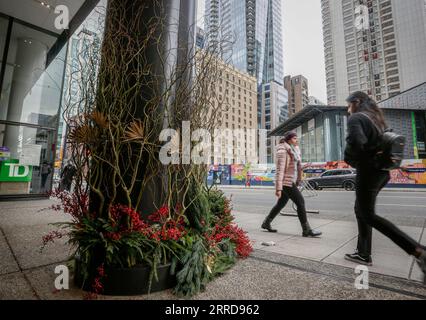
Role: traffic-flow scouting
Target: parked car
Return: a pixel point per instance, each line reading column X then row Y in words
column 339, row 178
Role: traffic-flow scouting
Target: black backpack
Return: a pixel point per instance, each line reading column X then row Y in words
column 390, row 150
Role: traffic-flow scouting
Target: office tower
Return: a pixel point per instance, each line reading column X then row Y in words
column 255, row 29
column 273, row 101
column 200, row 38
column 298, row 94
column 377, row 46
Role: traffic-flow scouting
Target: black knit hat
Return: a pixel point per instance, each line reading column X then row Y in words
column 289, row 135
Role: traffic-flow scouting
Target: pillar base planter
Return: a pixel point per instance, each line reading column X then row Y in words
column 128, row 281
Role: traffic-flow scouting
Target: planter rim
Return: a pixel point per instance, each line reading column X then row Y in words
column 137, row 266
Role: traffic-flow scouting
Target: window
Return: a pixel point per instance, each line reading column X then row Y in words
column 31, row 94
column 26, row 81
column 327, row 174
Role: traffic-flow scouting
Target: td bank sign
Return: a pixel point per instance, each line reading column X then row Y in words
column 12, row 171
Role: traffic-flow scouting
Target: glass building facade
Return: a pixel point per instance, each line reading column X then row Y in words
column 419, row 133
column 255, row 28
column 32, row 83
column 273, row 111
column 31, row 94
column 273, row 62
column 323, row 129
column 323, row 137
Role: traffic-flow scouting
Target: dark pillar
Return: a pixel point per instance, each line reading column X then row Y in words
column 166, row 53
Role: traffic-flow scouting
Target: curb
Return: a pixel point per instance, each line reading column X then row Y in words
column 224, row 187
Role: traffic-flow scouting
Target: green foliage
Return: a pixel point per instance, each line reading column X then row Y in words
column 200, row 265
column 198, row 207
column 193, row 275
column 226, row 258
column 212, row 247
column 220, row 207
column 127, row 251
column 217, row 201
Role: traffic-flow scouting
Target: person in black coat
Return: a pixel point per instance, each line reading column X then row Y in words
column 45, row 171
column 67, row 175
column 362, row 142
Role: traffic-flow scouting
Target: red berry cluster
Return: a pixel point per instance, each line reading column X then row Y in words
column 235, row 234
column 161, row 215
column 75, row 204
column 51, row 236
column 169, row 229
column 97, row 286
column 164, row 227
column 119, row 212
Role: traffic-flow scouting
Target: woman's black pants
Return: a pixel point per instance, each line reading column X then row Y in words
column 290, row 193
column 369, row 182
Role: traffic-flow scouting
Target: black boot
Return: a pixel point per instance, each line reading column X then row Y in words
column 308, row 232
column 267, row 225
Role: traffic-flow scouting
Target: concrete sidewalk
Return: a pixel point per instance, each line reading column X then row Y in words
column 339, row 237
column 296, row 268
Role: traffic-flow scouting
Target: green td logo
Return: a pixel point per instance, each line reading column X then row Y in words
column 12, row 171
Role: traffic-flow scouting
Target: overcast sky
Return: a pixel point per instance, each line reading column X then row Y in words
column 303, row 42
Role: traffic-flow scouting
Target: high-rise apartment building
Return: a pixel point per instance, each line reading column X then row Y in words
column 376, row 46
column 298, row 93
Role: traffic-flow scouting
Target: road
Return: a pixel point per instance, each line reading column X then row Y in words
column 404, row 208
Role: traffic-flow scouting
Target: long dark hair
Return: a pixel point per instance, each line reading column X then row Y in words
column 363, row 103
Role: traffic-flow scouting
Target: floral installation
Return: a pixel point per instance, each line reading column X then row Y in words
column 125, row 239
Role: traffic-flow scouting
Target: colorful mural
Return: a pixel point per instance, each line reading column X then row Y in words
column 412, row 173
column 257, row 174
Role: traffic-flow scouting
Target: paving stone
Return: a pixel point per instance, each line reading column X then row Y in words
column 15, row 287
column 7, row 262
